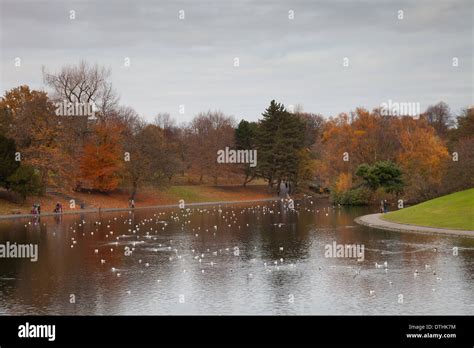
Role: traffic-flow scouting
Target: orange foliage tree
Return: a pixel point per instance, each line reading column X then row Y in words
column 31, row 121
column 368, row 137
column 103, row 158
column 423, row 156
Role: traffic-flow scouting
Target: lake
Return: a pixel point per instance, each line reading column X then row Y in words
column 258, row 258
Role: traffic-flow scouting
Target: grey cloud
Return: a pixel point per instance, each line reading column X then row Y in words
column 300, row 61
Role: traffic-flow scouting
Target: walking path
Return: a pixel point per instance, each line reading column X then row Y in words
column 103, row 210
column 375, row 221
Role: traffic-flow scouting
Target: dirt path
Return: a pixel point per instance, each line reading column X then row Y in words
column 96, row 210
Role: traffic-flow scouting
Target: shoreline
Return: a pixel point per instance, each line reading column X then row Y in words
column 375, row 221
column 107, row 210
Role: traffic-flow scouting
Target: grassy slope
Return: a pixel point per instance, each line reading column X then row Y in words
column 454, row 211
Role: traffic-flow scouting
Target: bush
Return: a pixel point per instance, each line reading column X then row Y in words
column 384, row 174
column 355, row 196
column 25, row 181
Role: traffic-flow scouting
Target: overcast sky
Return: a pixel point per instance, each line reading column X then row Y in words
column 295, row 61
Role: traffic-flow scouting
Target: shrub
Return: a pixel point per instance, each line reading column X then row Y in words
column 25, row 181
column 355, row 196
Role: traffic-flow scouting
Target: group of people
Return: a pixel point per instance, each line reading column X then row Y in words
column 36, row 209
column 284, row 189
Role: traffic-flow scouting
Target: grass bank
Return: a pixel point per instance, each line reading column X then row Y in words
column 454, row 211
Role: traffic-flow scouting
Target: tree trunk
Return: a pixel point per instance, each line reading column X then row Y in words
column 134, row 190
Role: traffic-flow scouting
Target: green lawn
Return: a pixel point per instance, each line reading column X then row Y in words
column 187, row 193
column 454, row 211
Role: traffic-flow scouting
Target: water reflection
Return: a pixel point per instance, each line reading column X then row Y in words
column 245, row 259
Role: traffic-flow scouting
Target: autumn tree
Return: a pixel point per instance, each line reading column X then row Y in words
column 37, row 131
column 422, row 156
column 460, row 171
column 103, row 158
column 369, row 137
column 337, row 152
column 88, row 86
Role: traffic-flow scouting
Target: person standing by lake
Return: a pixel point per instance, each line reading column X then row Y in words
column 385, row 206
column 59, row 208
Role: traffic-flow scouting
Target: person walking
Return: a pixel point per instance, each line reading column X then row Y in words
column 385, row 206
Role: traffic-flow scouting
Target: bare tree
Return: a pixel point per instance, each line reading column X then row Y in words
column 83, row 83
column 440, row 118
column 210, row 132
column 164, row 121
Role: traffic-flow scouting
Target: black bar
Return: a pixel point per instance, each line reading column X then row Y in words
column 254, row 330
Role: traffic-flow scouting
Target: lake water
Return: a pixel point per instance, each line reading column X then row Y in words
column 240, row 259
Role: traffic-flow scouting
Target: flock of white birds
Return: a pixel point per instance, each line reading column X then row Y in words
column 146, row 237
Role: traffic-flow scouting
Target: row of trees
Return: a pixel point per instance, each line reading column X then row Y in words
column 358, row 152
column 433, row 157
